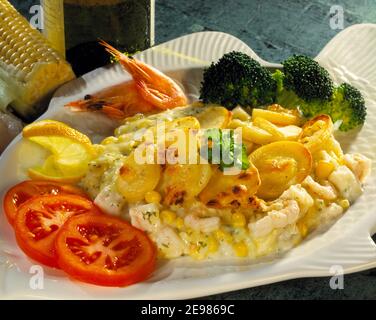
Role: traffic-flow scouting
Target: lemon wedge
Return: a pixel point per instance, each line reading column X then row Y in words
column 70, row 151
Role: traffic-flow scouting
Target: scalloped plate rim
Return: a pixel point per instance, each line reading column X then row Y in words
column 222, row 283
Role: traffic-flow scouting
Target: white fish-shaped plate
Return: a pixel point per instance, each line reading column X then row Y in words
column 350, row 56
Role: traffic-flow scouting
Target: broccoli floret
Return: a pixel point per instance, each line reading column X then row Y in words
column 286, row 98
column 304, row 84
column 307, row 78
column 237, row 79
column 347, row 105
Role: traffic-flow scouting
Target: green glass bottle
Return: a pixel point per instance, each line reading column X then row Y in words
column 126, row 24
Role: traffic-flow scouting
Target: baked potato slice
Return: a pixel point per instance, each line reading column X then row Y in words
column 280, row 165
column 214, row 117
column 135, row 179
column 181, row 182
column 316, row 132
column 278, row 118
column 226, row 191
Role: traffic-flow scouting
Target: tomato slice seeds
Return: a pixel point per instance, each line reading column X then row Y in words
column 57, row 225
column 39, row 219
column 104, row 250
column 23, row 191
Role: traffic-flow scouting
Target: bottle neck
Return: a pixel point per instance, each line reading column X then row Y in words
column 53, row 24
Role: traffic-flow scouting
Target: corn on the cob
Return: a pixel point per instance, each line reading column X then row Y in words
column 30, row 67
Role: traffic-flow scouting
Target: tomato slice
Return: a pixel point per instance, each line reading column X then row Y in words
column 38, row 220
column 104, row 250
column 28, row 189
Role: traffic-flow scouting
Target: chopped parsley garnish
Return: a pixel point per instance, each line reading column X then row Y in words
column 221, row 149
column 147, row 215
column 202, row 244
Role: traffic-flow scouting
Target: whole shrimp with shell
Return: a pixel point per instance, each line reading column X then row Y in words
column 149, row 90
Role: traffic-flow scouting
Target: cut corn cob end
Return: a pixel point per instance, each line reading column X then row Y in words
column 28, row 64
column 42, row 81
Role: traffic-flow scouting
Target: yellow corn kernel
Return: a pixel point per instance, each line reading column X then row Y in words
column 302, row 227
column 109, row 140
column 168, row 216
column 179, row 223
column 223, row 235
column 127, row 137
column 194, row 252
column 212, row 245
column 28, row 64
column 240, row 249
column 153, row 197
column 324, row 169
column 98, row 148
column 161, row 254
column 238, row 220
column 344, row 203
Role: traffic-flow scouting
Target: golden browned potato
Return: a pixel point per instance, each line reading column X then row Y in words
column 280, row 165
column 181, row 182
column 316, row 132
column 214, row 117
column 135, row 179
column 269, row 127
column 252, row 133
column 278, row 118
column 231, row 190
column 240, row 114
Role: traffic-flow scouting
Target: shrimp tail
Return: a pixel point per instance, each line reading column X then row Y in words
column 114, row 112
column 109, row 107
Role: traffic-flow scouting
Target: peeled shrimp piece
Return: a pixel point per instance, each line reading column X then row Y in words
column 300, row 195
column 261, row 227
column 330, row 213
column 360, row 165
column 287, row 209
column 145, row 217
column 169, row 242
column 324, row 192
column 205, row 225
column 289, row 214
column 346, row 183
